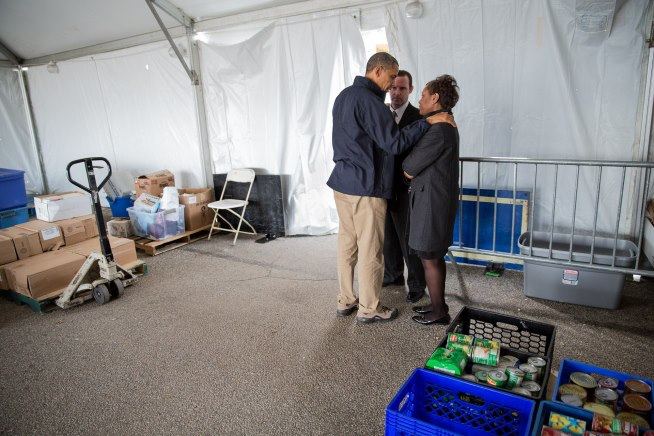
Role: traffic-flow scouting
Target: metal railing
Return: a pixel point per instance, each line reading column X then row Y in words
column 640, row 180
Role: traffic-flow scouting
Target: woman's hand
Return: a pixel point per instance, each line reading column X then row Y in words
column 408, row 176
column 443, row 117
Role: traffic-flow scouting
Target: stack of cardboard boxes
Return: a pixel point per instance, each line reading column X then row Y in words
column 39, row 258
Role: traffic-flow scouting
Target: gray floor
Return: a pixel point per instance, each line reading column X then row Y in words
column 243, row 340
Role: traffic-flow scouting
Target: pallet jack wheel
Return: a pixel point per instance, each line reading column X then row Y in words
column 116, row 288
column 101, row 294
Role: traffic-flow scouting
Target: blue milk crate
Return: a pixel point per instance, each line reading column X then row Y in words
column 430, row 403
column 547, row 407
column 569, row 366
column 12, row 189
column 13, row 217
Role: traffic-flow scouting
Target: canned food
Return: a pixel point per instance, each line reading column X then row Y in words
column 637, row 404
column 572, row 400
column 634, row 419
column 496, row 378
column 570, row 389
column 521, row 391
column 460, row 339
column 606, row 424
column 637, row 387
column 469, row 377
column 514, row 377
column 584, row 380
column 607, row 396
column 485, row 356
column 477, row 367
column 481, row 376
column 531, row 373
column 602, row 409
column 487, row 343
column 508, row 361
column 540, row 365
column 607, row 383
column 532, row 387
column 459, row 346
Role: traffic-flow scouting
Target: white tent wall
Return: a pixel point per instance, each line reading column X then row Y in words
column 16, row 147
column 133, row 106
column 269, row 102
column 534, row 84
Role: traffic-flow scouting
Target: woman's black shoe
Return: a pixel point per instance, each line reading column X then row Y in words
column 422, row 309
column 420, row 319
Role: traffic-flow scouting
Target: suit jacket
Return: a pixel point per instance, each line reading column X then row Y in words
column 410, row 115
column 434, row 197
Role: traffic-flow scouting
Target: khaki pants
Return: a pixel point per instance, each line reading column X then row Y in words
column 360, row 238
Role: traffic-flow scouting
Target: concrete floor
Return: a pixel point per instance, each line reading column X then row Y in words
column 244, row 340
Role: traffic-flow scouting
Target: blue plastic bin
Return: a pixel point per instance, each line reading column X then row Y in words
column 430, row 403
column 119, row 206
column 12, row 189
column 13, row 217
column 547, row 407
column 569, row 366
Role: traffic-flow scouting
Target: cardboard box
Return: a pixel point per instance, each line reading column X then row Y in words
column 124, row 250
column 7, row 250
column 4, row 283
column 26, row 242
column 121, row 228
column 50, row 234
column 154, row 183
column 76, row 230
column 196, row 213
column 56, row 207
column 45, row 274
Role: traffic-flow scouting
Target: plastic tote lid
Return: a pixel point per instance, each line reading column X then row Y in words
column 7, row 174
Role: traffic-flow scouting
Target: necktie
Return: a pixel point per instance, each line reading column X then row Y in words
column 395, row 117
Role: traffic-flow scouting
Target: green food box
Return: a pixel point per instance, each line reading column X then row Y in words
column 450, row 361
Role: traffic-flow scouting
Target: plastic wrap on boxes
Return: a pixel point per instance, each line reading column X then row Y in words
column 147, row 203
column 170, row 198
column 157, row 225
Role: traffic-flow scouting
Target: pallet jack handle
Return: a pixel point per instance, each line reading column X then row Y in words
column 93, row 189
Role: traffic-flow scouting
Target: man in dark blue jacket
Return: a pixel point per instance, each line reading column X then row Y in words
column 365, row 139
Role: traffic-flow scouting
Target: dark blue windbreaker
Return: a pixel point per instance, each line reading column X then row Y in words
column 365, row 137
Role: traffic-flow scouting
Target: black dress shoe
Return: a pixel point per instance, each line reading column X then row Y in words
column 420, row 319
column 397, row 282
column 414, row 296
column 422, row 309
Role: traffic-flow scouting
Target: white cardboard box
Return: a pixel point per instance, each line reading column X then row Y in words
column 62, row 206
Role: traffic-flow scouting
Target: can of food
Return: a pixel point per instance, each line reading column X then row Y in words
column 570, row 389
column 532, row 387
column 487, row 343
column 521, row 391
column 485, row 356
column 508, row 361
column 606, row 424
column 607, row 396
column 515, row 376
column 637, row 387
column 477, row 367
column 634, row 419
column 496, row 378
column 584, row 380
column 481, row 376
column 608, row 383
column 459, row 346
column 572, row 400
column 634, row 403
column 460, row 339
column 469, row 377
column 540, row 365
column 602, row 409
column 531, row 373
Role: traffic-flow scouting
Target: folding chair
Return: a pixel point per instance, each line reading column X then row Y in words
column 238, row 176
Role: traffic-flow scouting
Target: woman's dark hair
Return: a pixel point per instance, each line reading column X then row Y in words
column 447, row 89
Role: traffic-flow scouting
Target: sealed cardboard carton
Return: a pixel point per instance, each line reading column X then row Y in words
column 44, row 275
column 76, row 230
column 197, row 214
column 7, row 250
column 50, row 234
column 4, row 283
column 124, row 250
column 120, row 228
column 154, row 183
column 190, row 196
column 26, row 242
column 56, row 207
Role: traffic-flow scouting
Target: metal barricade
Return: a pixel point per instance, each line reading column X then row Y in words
column 639, row 179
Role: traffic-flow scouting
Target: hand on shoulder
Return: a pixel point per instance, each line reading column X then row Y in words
column 442, row 117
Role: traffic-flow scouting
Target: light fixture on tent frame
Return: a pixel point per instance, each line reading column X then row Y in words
column 413, row 9
column 52, row 67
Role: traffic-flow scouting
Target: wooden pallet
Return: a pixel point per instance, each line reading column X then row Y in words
column 154, row 247
column 46, row 303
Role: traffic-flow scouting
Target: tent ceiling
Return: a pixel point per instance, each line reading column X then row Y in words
column 34, row 28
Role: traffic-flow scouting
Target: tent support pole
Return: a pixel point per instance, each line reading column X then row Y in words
column 34, row 138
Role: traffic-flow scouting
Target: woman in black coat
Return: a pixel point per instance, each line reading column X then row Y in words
column 433, row 168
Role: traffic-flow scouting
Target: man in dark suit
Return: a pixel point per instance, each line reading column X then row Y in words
column 395, row 235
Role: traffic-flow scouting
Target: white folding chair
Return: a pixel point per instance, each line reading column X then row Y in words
column 229, row 204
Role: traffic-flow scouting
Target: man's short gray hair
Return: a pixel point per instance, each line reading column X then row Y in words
column 381, row 59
